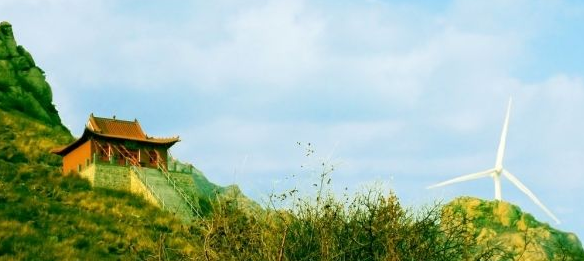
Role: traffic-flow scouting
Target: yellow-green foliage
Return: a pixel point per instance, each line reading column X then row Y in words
column 44, row 215
column 518, row 235
column 23, row 139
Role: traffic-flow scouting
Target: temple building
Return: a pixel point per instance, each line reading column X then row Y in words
column 117, row 142
column 117, row 154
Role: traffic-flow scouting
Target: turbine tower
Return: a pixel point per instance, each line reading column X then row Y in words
column 498, row 170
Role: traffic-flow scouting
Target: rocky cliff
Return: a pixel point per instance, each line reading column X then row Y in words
column 23, row 87
column 512, row 234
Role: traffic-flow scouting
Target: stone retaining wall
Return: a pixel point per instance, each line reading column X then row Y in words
column 139, row 188
column 112, row 176
column 119, row 178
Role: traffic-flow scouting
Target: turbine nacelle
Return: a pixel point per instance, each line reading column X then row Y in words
column 499, row 171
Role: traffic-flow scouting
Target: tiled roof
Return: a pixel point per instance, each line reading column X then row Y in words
column 114, row 128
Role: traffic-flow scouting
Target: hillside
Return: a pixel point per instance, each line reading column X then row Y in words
column 46, row 215
column 29, row 122
column 518, row 235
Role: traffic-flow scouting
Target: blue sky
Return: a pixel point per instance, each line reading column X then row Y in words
column 392, row 92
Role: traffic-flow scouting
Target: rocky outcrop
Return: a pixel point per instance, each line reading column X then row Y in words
column 23, row 87
column 513, row 234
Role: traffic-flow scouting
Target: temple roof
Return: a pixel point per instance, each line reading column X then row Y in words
column 116, row 129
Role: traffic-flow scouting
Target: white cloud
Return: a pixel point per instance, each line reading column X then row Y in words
column 274, row 44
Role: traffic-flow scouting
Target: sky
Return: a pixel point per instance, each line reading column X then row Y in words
column 394, row 94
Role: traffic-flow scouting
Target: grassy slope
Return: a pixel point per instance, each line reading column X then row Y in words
column 28, row 140
column 44, row 214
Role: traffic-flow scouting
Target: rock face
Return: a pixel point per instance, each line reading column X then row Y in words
column 23, row 87
column 513, row 234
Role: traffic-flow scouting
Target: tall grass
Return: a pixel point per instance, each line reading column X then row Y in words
column 370, row 226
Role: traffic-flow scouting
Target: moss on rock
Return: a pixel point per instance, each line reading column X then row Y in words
column 22, row 84
column 8, row 43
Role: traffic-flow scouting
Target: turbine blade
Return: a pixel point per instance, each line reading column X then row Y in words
column 472, row 176
column 503, row 141
column 530, row 194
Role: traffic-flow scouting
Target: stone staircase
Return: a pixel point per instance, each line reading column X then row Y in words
column 173, row 202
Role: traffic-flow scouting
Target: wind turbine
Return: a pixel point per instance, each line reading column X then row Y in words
column 499, row 171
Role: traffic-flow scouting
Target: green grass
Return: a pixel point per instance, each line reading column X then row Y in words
column 45, row 214
column 24, row 139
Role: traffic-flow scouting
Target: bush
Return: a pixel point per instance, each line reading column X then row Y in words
column 370, row 226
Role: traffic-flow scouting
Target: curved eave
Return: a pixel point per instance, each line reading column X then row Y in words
column 59, row 150
column 169, row 141
column 87, row 132
column 62, row 151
